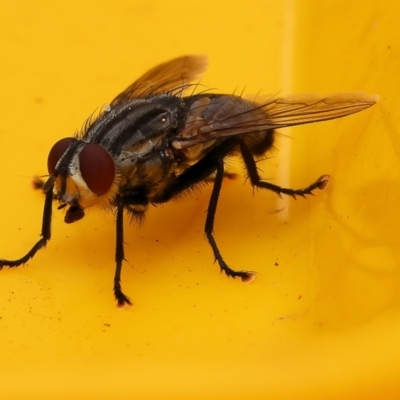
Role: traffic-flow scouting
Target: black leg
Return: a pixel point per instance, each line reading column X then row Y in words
column 122, row 299
column 246, row 276
column 197, row 173
column 46, row 234
column 321, row 183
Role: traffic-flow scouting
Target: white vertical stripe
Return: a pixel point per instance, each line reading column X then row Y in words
column 288, row 43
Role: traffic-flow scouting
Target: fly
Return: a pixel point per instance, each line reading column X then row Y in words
column 153, row 143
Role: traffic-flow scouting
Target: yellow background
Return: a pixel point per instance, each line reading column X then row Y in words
column 324, row 323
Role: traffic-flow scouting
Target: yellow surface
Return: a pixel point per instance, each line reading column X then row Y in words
column 322, row 324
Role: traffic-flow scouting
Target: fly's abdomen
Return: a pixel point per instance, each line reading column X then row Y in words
column 211, row 118
column 259, row 143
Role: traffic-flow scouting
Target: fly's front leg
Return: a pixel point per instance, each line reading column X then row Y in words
column 246, row 276
column 321, row 183
column 122, row 299
column 46, row 234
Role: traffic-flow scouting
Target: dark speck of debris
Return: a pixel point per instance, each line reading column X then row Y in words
column 299, row 298
column 107, row 325
column 276, row 263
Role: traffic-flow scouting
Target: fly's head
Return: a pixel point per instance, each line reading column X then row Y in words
column 83, row 174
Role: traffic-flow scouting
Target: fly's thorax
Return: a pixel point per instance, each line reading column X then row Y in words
column 151, row 171
column 84, row 174
column 195, row 152
column 138, row 126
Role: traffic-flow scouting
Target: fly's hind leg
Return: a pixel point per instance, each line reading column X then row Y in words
column 321, row 183
column 246, row 276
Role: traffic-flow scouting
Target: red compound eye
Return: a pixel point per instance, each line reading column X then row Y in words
column 56, row 153
column 97, row 168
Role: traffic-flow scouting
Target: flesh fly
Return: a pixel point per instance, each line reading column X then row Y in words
column 154, row 142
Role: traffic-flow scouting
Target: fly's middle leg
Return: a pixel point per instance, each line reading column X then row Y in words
column 246, row 276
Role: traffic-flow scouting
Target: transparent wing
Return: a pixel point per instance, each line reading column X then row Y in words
column 219, row 116
column 174, row 74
